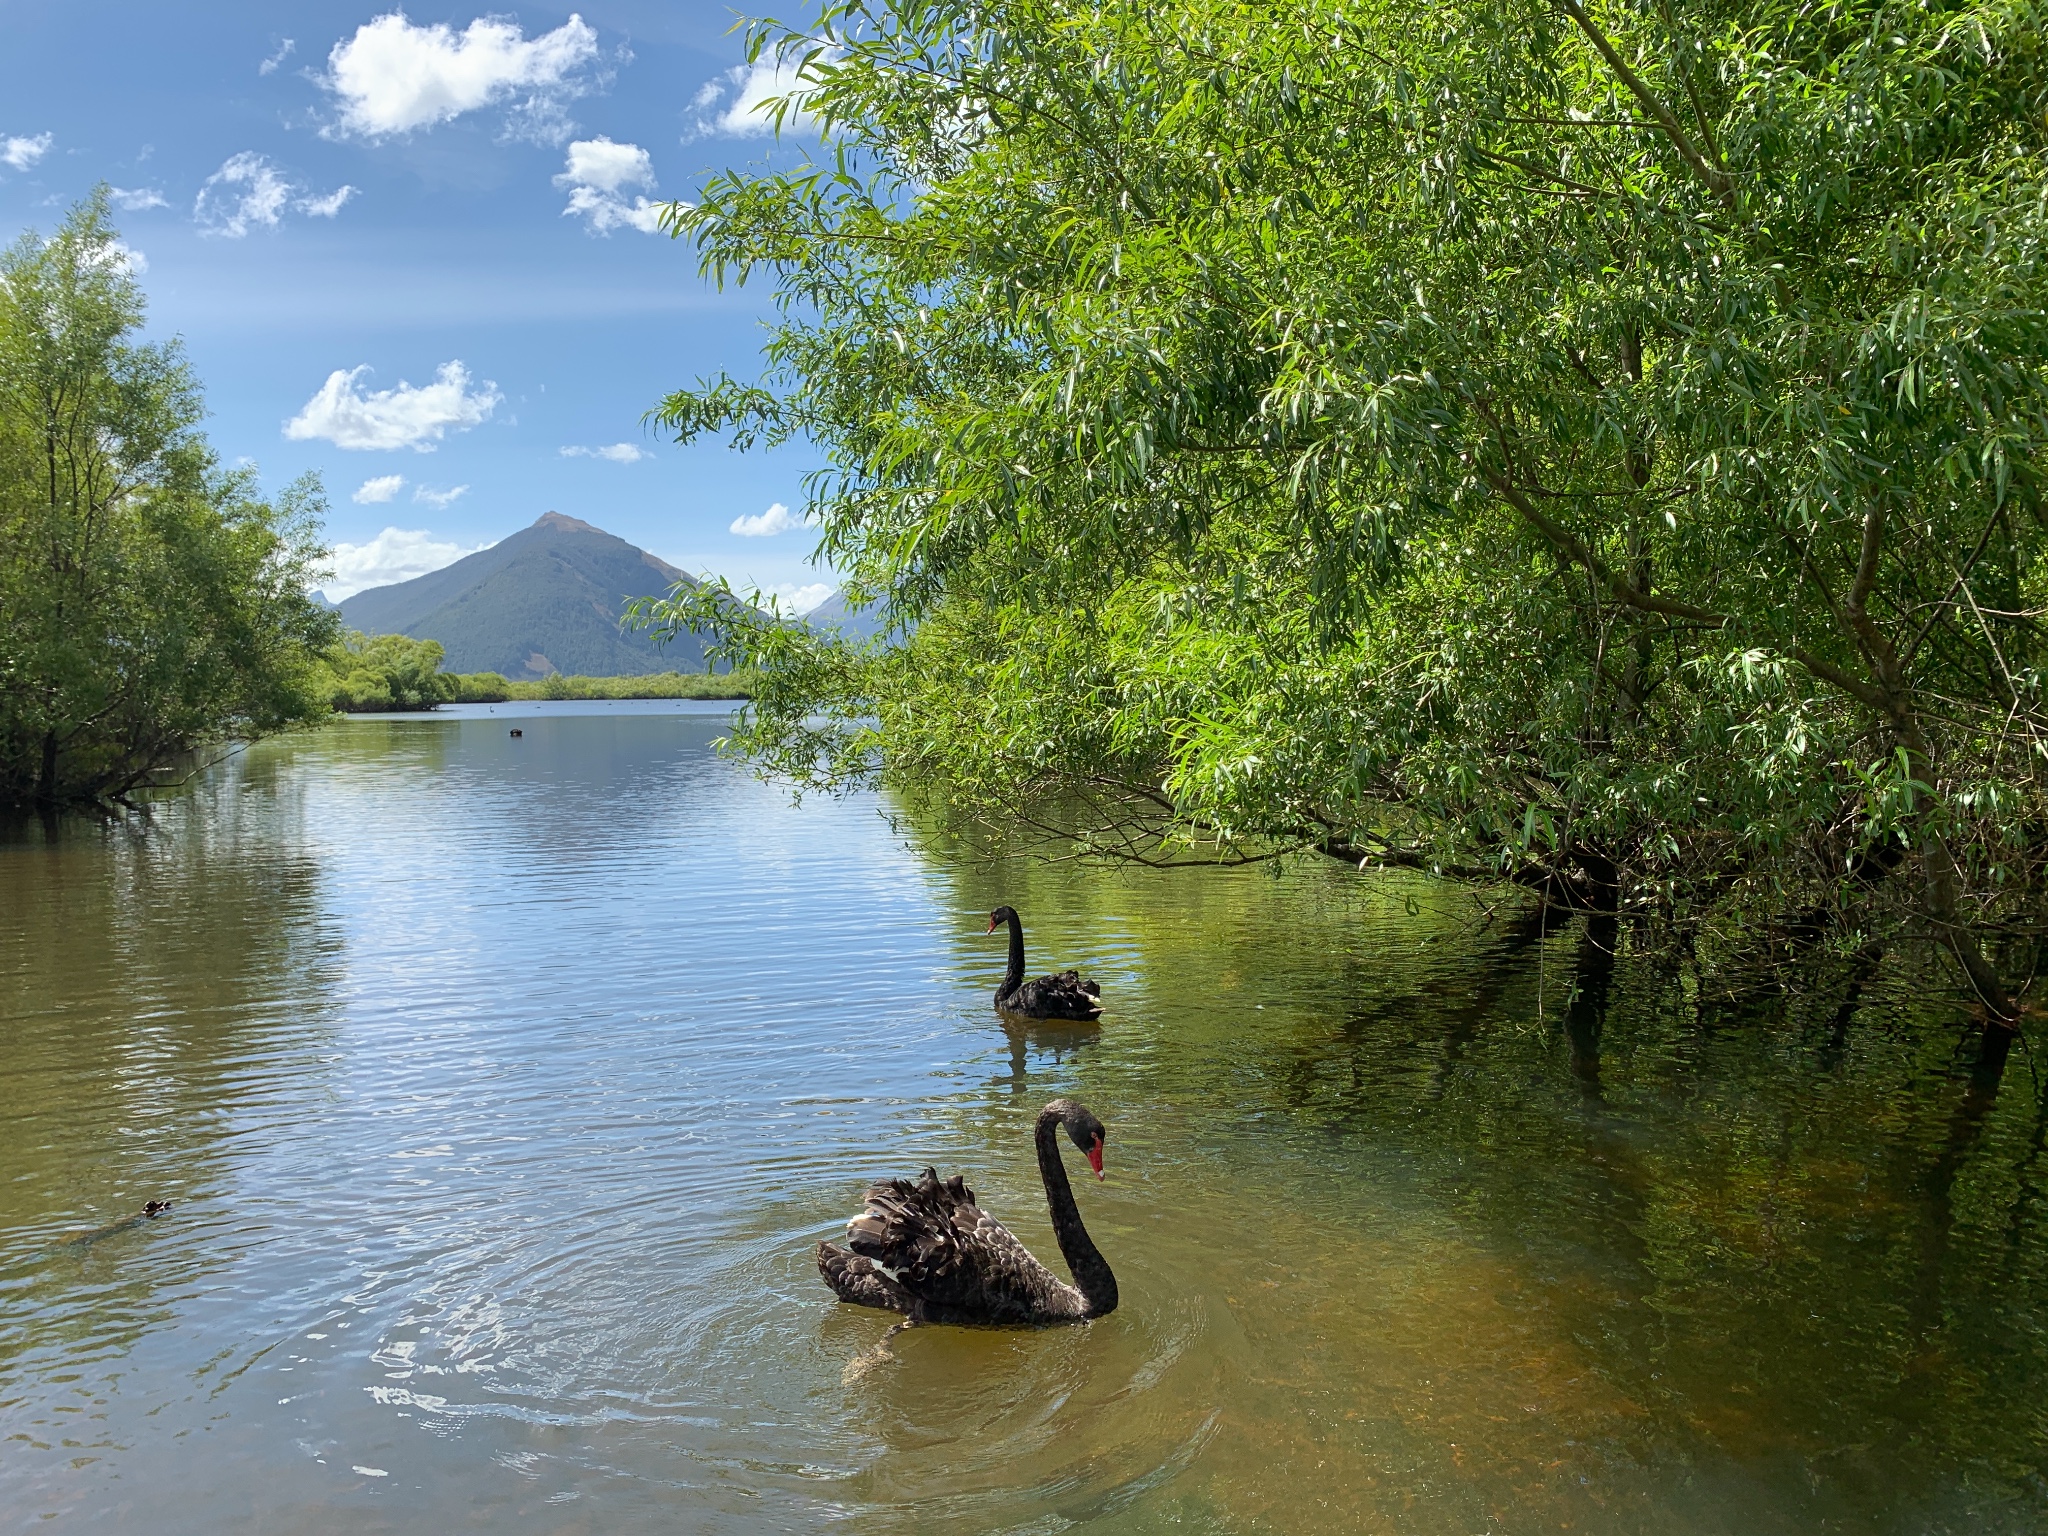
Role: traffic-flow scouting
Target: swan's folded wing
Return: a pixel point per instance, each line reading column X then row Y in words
column 935, row 1242
column 1072, row 982
column 1065, row 996
column 856, row 1279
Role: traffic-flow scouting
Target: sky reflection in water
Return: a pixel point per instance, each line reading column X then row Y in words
column 504, row 1086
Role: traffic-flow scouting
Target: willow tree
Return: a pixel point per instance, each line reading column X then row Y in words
column 1591, row 444
column 150, row 602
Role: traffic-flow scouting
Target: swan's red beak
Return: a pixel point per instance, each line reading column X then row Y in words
column 991, row 925
column 1095, row 1157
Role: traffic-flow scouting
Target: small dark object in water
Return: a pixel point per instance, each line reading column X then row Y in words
column 149, row 1212
column 519, row 733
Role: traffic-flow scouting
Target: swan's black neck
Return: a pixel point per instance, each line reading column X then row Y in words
column 1090, row 1270
column 1013, row 978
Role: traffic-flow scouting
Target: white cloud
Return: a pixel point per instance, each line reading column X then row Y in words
column 378, row 488
column 269, row 65
column 249, row 190
column 246, row 190
column 736, row 103
column 119, row 256
column 777, row 519
column 802, row 598
column 22, row 153
column 598, row 173
column 600, row 163
column 396, row 554
column 609, row 213
column 439, row 499
column 394, row 77
column 618, row 453
column 404, row 417
column 136, row 199
column 327, row 207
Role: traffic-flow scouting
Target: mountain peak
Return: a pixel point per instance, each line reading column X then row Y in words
column 548, row 598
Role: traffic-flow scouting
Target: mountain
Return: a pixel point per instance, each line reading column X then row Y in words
column 836, row 613
column 547, row 599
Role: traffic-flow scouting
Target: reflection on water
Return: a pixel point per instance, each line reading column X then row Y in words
column 503, row 1086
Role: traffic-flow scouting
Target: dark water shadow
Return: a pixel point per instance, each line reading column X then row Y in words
column 1060, row 1040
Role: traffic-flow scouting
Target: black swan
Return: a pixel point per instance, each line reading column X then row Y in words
column 928, row 1251
column 1065, row 996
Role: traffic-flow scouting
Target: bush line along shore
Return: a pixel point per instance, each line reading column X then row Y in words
column 378, row 674
column 495, row 688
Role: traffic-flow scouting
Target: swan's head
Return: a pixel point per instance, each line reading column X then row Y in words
column 1000, row 916
column 1083, row 1129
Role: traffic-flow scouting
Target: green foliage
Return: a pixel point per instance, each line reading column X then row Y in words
column 656, row 685
column 412, row 683
column 482, row 687
column 1597, row 448
column 369, row 674
column 150, row 601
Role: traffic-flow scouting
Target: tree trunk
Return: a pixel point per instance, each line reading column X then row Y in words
column 46, row 787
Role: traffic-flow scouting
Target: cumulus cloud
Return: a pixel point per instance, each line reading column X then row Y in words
column 269, row 65
column 394, row 76
column 609, row 213
column 249, row 190
column 802, row 598
column 378, row 488
column 136, row 199
column 597, row 176
column 618, row 453
column 607, row 166
column 396, row 554
column 405, row 417
column 736, row 103
column 21, row 153
column 439, row 499
column 777, row 519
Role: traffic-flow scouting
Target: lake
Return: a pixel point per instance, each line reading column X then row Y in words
column 503, row 1087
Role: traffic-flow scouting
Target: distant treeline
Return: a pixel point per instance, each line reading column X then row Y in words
column 493, row 687
column 383, row 673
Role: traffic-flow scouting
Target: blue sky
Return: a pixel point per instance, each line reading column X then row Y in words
column 411, row 250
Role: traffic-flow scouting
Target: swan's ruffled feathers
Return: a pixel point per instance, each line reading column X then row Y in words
column 857, row 1280
column 1065, row 996
column 931, row 1239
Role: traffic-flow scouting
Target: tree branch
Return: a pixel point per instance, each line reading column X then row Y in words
column 1577, row 550
column 1717, row 180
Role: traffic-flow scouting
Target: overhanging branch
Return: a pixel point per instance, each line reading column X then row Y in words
column 1717, row 180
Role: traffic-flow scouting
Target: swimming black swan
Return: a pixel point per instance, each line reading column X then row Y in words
column 1065, row 996
column 928, row 1251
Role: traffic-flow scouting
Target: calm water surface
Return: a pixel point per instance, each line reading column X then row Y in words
column 503, row 1087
